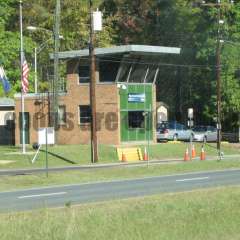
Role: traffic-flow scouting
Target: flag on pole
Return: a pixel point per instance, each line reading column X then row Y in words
column 25, row 72
column 4, row 80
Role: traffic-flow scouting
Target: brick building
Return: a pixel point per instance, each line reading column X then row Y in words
column 125, row 97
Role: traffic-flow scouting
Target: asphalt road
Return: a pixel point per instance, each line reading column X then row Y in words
column 94, row 192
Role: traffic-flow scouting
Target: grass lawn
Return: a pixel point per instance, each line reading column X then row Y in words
column 212, row 214
column 69, row 155
column 108, row 174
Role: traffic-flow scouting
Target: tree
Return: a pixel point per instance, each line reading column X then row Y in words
column 10, row 44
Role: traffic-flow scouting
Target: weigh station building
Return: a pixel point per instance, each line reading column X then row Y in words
column 125, row 97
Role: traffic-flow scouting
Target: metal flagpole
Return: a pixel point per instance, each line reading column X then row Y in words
column 218, row 68
column 22, row 93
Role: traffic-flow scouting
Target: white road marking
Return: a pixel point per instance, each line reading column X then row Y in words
column 42, row 195
column 119, row 180
column 191, row 179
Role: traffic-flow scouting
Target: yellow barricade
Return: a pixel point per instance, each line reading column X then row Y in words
column 129, row 154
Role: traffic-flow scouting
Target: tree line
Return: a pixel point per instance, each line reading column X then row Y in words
column 188, row 80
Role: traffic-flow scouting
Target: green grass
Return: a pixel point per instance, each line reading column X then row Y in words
column 69, row 155
column 176, row 150
column 205, row 214
column 92, row 175
column 60, row 155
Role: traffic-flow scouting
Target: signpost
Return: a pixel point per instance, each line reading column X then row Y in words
column 46, row 151
column 149, row 126
column 45, row 136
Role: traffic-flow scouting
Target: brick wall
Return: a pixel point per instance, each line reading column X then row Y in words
column 108, row 111
column 38, row 112
column 73, row 132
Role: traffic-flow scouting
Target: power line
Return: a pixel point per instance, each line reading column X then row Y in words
column 132, row 61
column 118, row 60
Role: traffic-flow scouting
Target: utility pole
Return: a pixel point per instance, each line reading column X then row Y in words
column 94, row 141
column 218, row 4
column 218, row 75
column 54, row 112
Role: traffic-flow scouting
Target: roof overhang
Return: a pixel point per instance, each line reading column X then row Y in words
column 7, row 102
column 138, row 49
column 37, row 95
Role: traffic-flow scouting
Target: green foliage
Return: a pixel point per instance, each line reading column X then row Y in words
column 188, row 80
column 191, row 80
column 10, row 45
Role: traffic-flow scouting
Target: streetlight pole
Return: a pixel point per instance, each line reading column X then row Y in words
column 38, row 49
column 94, row 141
column 22, row 93
column 35, row 71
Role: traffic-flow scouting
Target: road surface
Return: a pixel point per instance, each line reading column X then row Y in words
column 57, row 196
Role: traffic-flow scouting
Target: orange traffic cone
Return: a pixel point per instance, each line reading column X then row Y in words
column 124, row 159
column 193, row 151
column 203, row 155
column 145, row 156
column 186, row 155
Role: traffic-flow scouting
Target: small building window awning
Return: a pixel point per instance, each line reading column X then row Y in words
column 7, row 102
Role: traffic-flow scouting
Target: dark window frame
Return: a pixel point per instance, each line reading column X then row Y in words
column 83, row 74
column 84, row 114
column 136, row 119
column 108, row 70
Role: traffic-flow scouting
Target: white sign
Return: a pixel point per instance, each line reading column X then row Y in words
column 42, row 136
column 97, row 21
column 190, row 113
column 136, row 97
column 5, row 116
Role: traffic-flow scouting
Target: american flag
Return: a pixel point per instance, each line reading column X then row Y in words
column 25, row 71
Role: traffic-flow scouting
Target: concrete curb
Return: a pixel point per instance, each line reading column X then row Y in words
column 13, row 172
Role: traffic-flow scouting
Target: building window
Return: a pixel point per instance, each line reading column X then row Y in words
column 108, row 70
column 62, row 114
column 136, row 119
column 84, row 114
column 83, row 73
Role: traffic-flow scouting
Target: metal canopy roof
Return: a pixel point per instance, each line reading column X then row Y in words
column 141, row 49
column 7, row 102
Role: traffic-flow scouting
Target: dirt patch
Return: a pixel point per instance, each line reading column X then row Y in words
column 4, row 162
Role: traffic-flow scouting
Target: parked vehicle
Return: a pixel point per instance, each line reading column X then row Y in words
column 205, row 134
column 173, row 131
